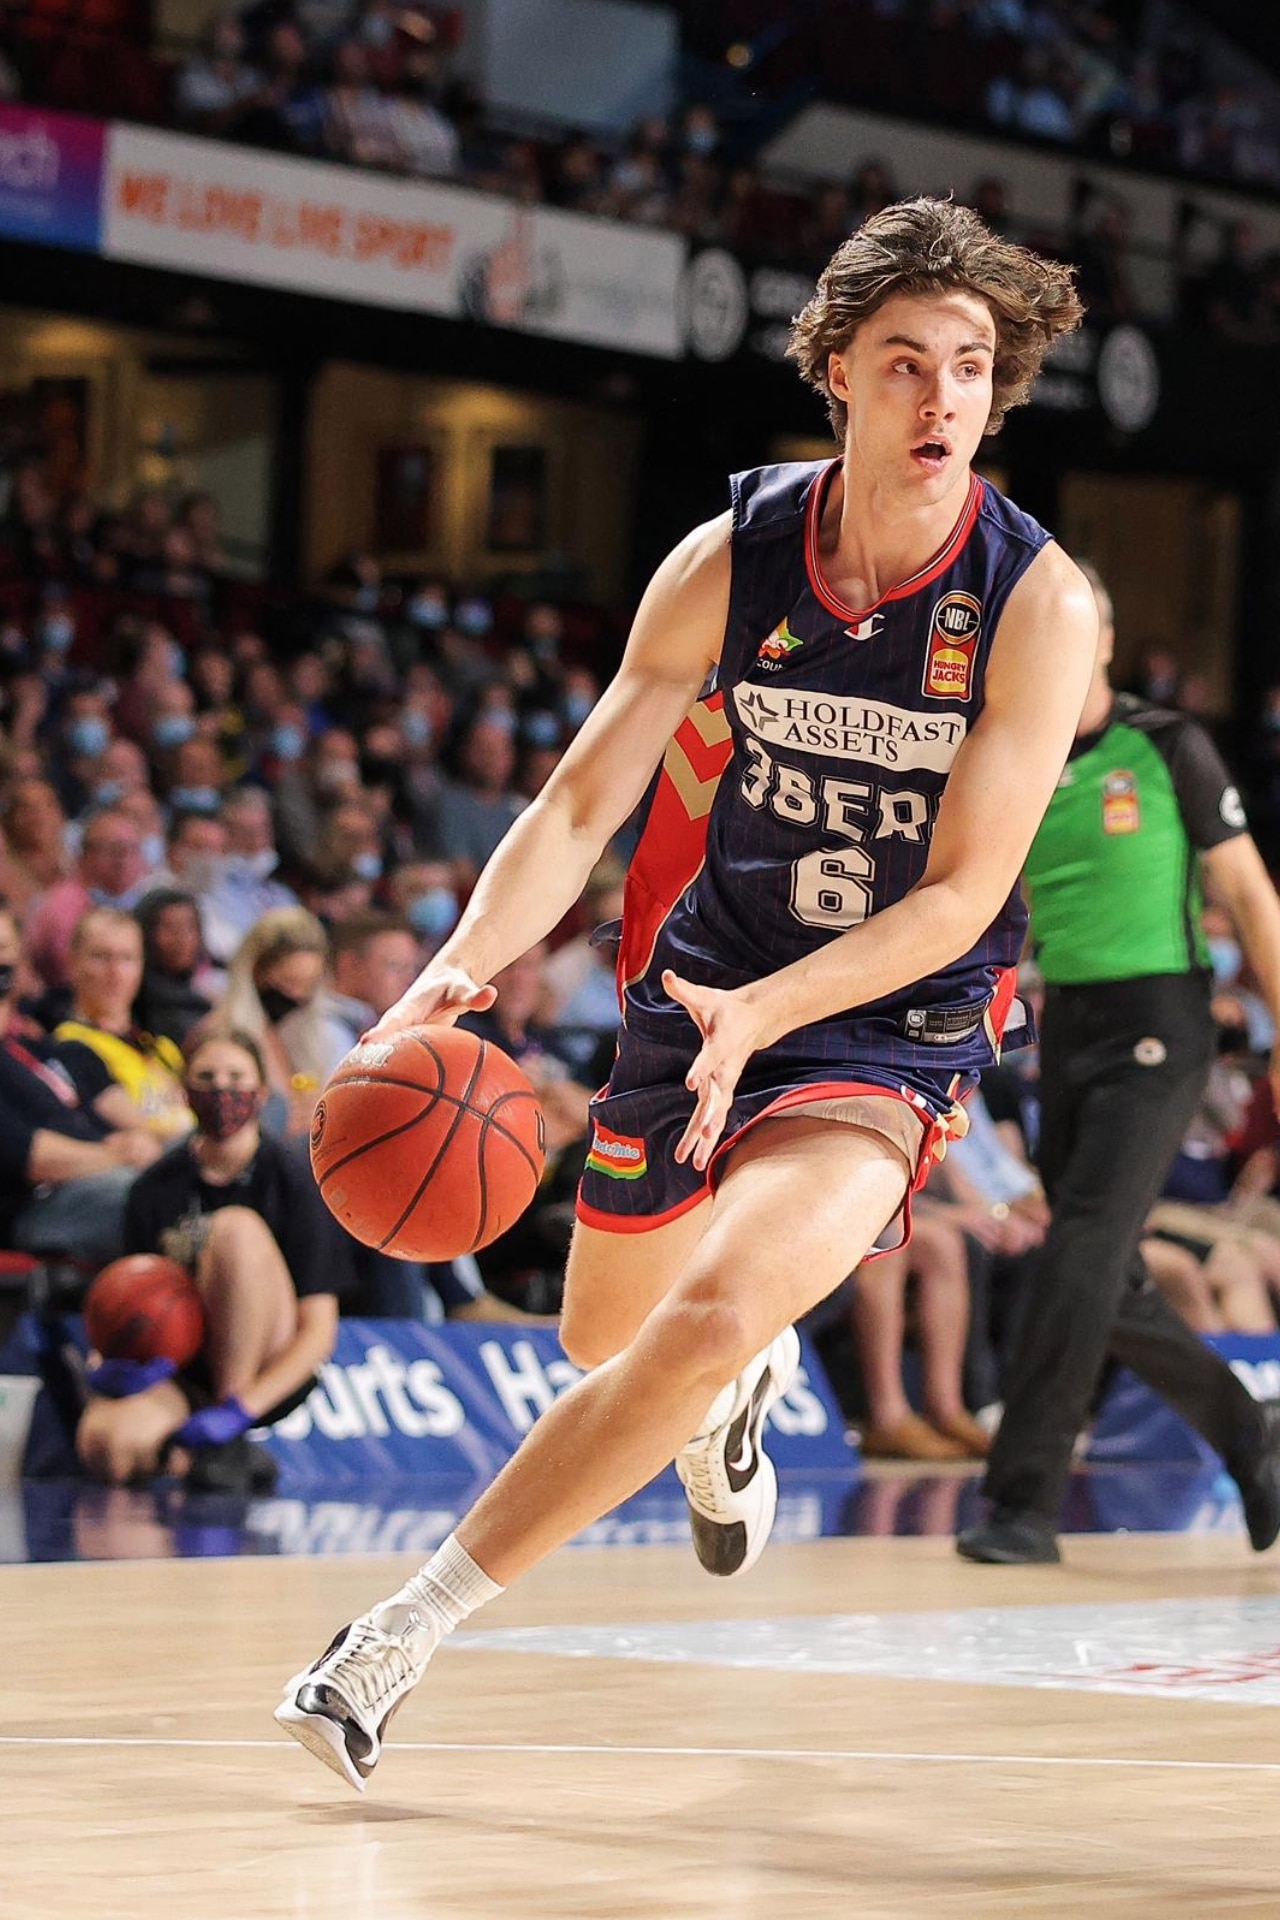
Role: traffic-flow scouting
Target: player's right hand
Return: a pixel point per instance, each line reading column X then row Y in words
column 439, row 995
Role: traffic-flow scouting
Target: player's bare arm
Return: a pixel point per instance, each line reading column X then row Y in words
column 1236, row 878
column 997, row 791
column 543, row 863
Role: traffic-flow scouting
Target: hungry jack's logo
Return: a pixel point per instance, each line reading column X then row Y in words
column 780, row 645
column 953, row 641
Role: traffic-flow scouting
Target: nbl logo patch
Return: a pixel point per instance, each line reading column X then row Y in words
column 1121, row 811
column 618, row 1155
column 954, row 627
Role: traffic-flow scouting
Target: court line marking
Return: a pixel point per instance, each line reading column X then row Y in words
column 673, row 1753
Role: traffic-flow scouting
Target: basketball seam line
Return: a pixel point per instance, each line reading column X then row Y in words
column 445, row 1144
column 450, row 1099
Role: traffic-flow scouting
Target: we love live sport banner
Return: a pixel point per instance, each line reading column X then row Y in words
column 205, row 207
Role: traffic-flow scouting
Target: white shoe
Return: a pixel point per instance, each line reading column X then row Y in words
column 340, row 1706
column 727, row 1476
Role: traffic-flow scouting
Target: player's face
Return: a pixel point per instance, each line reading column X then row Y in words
column 916, row 378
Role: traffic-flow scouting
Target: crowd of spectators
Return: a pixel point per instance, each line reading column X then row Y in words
column 381, row 85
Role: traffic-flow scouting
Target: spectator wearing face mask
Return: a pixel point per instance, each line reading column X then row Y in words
column 240, row 1211
column 245, row 889
column 195, row 775
column 131, row 1077
column 84, row 732
column 111, row 872
column 273, row 989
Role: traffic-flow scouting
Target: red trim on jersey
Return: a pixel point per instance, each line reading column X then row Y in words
column 671, row 850
column 946, row 554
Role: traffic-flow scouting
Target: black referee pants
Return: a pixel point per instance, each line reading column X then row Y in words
column 1123, row 1066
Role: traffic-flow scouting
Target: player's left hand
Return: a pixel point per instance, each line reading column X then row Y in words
column 730, row 1035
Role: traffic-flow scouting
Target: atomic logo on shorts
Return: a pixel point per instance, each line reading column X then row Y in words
column 618, row 1155
column 779, row 646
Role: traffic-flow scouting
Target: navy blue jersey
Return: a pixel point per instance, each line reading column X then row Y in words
column 800, row 795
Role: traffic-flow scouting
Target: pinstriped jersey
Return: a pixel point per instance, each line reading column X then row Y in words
column 799, row 797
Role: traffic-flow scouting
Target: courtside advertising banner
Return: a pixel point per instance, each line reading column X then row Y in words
column 400, row 1400
column 51, row 177
column 202, row 206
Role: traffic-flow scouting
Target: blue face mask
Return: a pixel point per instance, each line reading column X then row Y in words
column 195, row 799
column 475, row 616
column 542, row 729
column 576, row 708
column 153, row 848
column 434, row 914
column 367, row 866
column 171, row 729
column 429, row 610
column 416, row 728
column 88, row 735
column 1225, row 958
column 57, row 631
column 107, row 792
column 177, row 661
column 366, row 600
column 287, row 742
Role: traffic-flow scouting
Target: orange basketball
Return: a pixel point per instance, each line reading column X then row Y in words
column 428, row 1144
column 145, row 1307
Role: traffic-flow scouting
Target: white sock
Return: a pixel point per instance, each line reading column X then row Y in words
column 438, row 1597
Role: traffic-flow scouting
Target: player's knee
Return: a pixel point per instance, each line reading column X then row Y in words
column 709, row 1331
column 238, row 1227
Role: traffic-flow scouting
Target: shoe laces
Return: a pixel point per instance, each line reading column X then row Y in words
column 372, row 1667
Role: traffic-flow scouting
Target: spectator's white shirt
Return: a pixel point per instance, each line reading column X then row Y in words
column 428, row 142
column 236, row 903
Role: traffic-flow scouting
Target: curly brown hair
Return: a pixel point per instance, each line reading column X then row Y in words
column 934, row 246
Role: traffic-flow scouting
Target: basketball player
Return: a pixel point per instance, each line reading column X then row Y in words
column 820, row 926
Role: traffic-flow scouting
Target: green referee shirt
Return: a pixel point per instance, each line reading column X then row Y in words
column 1113, row 877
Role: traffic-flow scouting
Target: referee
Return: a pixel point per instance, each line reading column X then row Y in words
column 1144, row 815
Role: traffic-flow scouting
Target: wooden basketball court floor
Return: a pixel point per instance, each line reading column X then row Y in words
column 863, row 1728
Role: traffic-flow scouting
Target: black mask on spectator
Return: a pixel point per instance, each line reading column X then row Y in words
column 8, row 974
column 222, row 1111
column 277, row 1004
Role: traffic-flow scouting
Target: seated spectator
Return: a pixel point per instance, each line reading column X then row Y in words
column 212, row 90
column 273, row 995
column 426, row 142
column 375, row 961
column 196, row 775
column 580, row 978
column 130, row 1077
column 244, row 890
column 110, row 872
column 194, row 853
column 65, row 1172
column 200, row 518
column 357, row 123
column 474, row 811
column 288, row 111
column 34, row 828
column 241, row 1212
column 935, row 1261
column 539, row 1242
column 171, row 999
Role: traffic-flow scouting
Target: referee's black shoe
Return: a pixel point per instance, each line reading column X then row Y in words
column 1010, row 1537
column 1259, row 1482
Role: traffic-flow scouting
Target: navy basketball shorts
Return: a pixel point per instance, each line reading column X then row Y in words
column 632, row 1181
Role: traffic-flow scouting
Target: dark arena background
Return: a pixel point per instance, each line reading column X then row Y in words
column 359, row 363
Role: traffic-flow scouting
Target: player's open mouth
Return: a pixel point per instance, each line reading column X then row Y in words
column 932, row 455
